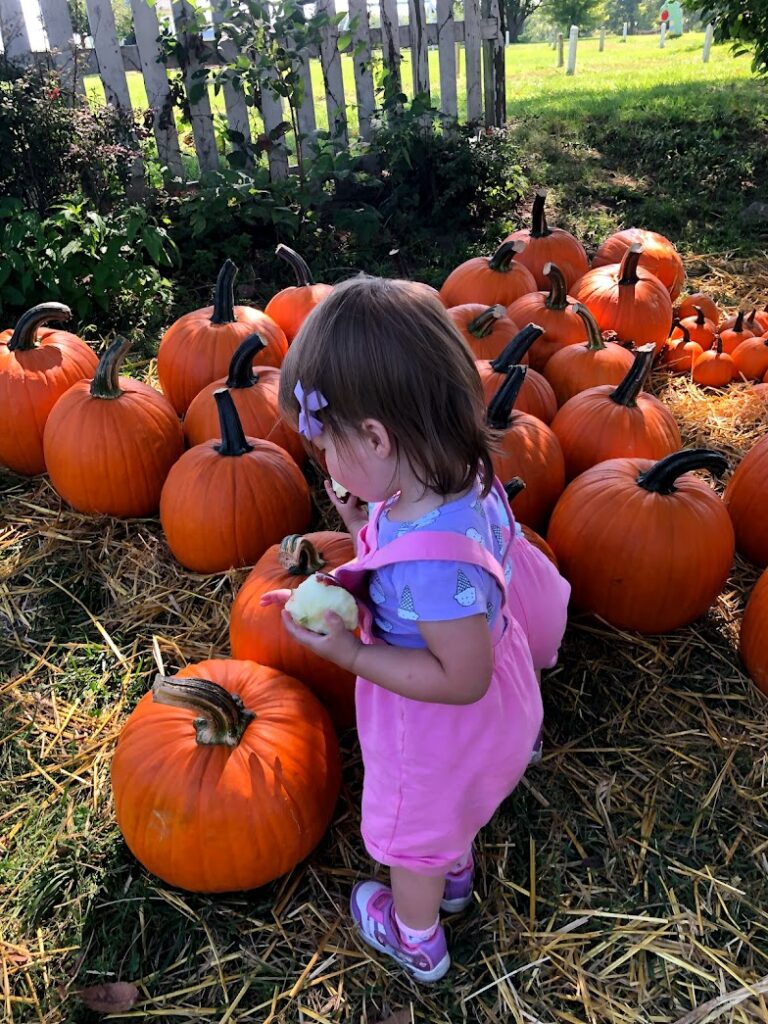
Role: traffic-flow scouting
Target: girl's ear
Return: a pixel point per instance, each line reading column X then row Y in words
column 377, row 437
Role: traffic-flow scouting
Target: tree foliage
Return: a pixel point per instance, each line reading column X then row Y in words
column 584, row 13
column 516, row 13
column 744, row 23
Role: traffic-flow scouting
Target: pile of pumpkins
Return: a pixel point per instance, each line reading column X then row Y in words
column 563, row 352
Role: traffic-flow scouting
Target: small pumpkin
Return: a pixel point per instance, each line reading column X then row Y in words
column 746, row 498
column 645, row 545
column 753, row 642
column 527, row 448
column 690, row 304
column 713, row 368
column 578, row 367
column 225, row 776
column 625, row 298
column 552, row 310
column 731, row 336
column 197, row 348
column 545, row 245
column 109, row 443
column 290, row 307
column 751, row 358
column 227, row 500
column 536, row 395
column 608, row 423
column 255, row 397
column 498, row 279
column 680, row 353
column 37, row 365
column 513, row 488
column 486, row 329
column 659, row 256
column 257, row 633
column 700, row 328
column 761, row 321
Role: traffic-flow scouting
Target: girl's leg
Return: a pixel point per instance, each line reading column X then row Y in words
column 417, row 898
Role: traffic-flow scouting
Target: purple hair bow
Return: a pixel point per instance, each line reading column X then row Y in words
column 310, row 425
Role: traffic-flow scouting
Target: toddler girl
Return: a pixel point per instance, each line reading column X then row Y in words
column 448, row 703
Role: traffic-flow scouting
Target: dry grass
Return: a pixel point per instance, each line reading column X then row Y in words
column 625, row 881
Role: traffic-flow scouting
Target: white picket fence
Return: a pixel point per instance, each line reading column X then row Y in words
column 480, row 34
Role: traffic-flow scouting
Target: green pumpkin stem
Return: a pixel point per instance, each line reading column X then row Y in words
column 299, row 264
column 661, row 477
column 628, row 267
column 558, row 290
column 299, row 556
column 514, row 351
column 483, row 323
column 501, row 405
column 224, row 295
column 233, row 439
column 241, row 373
column 634, row 381
column 595, row 341
column 515, row 486
column 501, row 261
column 106, row 380
column 223, row 717
column 25, row 332
column 539, row 228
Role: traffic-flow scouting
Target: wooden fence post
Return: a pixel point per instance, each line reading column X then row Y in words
column 624, row 32
column 472, row 40
column 361, row 44
column 708, row 35
column 147, row 29
column 238, row 115
column 14, row 29
column 195, row 84
column 58, row 29
column 330, row 62
column 559, row 44
column 493, row 68
column 601, row 47
column 573, row 40
column 448, row 57
column 662, row 35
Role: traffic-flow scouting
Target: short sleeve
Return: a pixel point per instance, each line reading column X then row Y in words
column 431, row 591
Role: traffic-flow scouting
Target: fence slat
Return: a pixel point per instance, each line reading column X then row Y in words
column 361, row 59
column 446, row 41
column 58, row 30
column 330, row 62
column 305, row 115
column 493, row 70
column 272, row 113
column 104, row 34
column 200, row 111
column 472, row 40
column 147, row 30
column 238, row 118
column 14, row 29
column 390, row 41
column 417, row 22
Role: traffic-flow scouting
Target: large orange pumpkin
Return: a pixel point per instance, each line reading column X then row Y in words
column 688, row 307
column 714, row 368
column 700, row 328
column 536, row 395
column 290, row 307
column 225, row 501
column 751, row 358
column 486, row 329
column 680, row 353
column 753, row 645
column 746, row 498
column 257, row 632
column 225, row 776
column 528, row 449
column 552, row 310
column 36, row 367
column 544, row 245
column 197, row 348
column 109, row 443
column 578, row 367
column 255, row 398
column 733, row 333
column 489, row 280
column 627, row 299
column 659, row 256
column 646, row 546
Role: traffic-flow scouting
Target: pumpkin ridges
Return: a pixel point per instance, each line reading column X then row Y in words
column 660, row 257
column 578, row 367
column 553, row 310
column 753, row 639
column 746, row 498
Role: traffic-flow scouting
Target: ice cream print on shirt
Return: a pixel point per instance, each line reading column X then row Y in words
column 465, row 593
column 405, row 608
column 417, row 524
column 474, row 534
column 376, row 590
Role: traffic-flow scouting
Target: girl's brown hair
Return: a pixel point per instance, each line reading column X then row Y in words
column 387, row 350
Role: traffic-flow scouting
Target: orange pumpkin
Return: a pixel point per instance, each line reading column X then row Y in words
column 552, row 310
column 761, row 321
column 659, row 257
column 545, row 245
column 751, row 358
column 746, row 498
column 197, row 348
column 608, row 423
column 732, row 335
column 257, row 632
column 690, row 303
column 109, row 443
column 753, row 644
column 486, row 329
column 500, row 278
column 513, row 488
column 225, row 776
column 578, row 367
column 680, row 353
column 225, row 501
column 627, row 299
column 290, row 307
column 37, row 366
column 528, row 449
column 646, row 546
column 713, row 368
column 255, row 398
column 536, row 395
column 700, row 328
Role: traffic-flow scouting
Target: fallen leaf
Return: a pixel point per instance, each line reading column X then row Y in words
column 114, row 997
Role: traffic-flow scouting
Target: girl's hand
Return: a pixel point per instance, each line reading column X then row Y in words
column 339, row 645
column 278, row 597
column 353, row 512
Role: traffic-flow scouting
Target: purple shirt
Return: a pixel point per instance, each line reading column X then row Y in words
column 403, row 594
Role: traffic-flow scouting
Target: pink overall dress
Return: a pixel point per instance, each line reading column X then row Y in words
column 436, row 773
